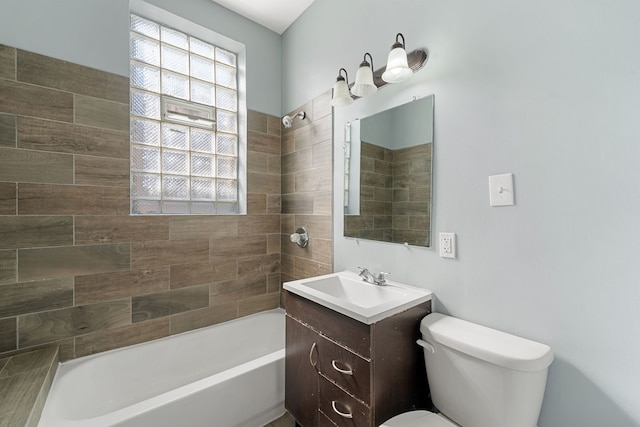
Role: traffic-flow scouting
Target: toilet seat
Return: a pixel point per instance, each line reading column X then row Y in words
column 418, row 419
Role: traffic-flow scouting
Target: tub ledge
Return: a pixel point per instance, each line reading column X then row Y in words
column 25, row 380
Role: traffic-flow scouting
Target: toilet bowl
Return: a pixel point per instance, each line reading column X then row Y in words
column 419, row 419
column 478, row 376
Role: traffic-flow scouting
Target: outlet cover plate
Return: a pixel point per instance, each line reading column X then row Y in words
column 448, row 245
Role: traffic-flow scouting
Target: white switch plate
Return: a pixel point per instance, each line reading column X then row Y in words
column 448, row 245
column 501, row 190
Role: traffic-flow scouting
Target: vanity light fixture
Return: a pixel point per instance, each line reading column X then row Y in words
column 400, row 66
column 341, row 94
column 397, row 64
column 363, row 85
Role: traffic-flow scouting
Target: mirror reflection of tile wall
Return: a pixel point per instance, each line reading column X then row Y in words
column 395, row 192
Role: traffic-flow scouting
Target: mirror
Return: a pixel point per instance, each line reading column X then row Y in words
column 387, row 182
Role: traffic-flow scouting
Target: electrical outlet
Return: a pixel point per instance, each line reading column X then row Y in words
column 448, row 245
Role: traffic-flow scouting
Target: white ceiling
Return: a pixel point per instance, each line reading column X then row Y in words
column 276, row 15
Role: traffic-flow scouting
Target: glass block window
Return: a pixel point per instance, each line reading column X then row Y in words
column 184, row 123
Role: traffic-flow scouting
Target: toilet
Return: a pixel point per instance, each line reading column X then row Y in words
column 479, row 377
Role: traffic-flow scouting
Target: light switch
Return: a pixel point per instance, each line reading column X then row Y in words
column 501, row 190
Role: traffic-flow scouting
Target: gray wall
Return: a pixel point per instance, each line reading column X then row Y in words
column 378, row 129
column 549, row 91
column 407, row 125
column 413, row 126
column 92, row 33
column 95, row 33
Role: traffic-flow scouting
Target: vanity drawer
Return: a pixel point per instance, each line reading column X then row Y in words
column 342, row 409
column 356, row 371
column 324, row 421
column 340, row 328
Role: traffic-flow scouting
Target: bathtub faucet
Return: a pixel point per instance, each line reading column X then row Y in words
column 375, row 279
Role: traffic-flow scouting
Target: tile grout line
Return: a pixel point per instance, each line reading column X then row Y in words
column 15, row 130
column 17, row 331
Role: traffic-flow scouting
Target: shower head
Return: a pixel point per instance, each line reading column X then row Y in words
column 287, row 121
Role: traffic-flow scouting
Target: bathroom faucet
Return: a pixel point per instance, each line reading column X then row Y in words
column 374, row 279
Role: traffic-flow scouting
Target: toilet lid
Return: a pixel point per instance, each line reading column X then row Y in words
column 418, row 419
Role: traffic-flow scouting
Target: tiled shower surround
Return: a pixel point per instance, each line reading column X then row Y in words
column 307, row 166
column 76, row 270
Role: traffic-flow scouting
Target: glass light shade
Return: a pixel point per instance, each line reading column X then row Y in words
column 363, row 85
column 341, row 95
column 397, row 67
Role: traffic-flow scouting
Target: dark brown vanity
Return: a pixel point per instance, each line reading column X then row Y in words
column 343, row 372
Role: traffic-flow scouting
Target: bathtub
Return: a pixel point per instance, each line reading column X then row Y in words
column 226, row 375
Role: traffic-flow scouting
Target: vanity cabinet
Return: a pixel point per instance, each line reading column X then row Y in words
column 342, row 372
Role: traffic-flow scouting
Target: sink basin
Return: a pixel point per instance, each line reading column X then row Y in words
column 346, row 293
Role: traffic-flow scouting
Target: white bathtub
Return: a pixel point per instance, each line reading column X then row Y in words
column 227, row 375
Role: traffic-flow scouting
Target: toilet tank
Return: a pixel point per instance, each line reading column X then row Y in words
column 481, row 377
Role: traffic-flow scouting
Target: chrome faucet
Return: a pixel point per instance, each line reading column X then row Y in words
column 375, row 279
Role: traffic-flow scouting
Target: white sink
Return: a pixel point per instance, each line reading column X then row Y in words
column 346, row 293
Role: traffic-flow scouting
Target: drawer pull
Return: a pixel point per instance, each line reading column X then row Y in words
column 313, row 347
column 348, row 371
column 342, row 414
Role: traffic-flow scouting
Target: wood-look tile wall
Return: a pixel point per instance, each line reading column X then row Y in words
column 411, row 210
column 75, row 268
column 376, row 195
column 395, row 195
column 307, row 176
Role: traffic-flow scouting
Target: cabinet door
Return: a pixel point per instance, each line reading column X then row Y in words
column 301, row 376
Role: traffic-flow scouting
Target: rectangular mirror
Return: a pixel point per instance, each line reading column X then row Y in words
column 387, row 178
